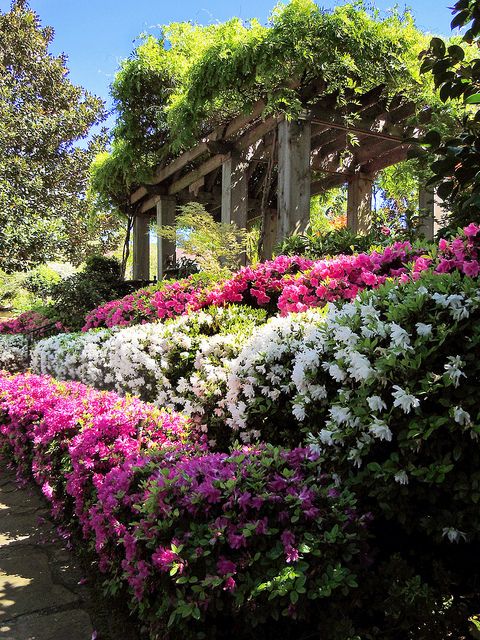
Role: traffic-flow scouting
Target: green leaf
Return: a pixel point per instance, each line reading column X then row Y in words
column 473, row 99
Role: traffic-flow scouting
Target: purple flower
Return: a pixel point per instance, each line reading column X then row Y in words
column 225, row 566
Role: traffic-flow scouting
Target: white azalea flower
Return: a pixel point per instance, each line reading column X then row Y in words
column 380, row 430
column 404, row 400
column 461, row 417
column 452, row 369
column 376, row 403
column 401, row 477
column 340, row 414
column 359, row 366
column 325, row 436
column 399, row 337
column 423, row 329
column 453, row 535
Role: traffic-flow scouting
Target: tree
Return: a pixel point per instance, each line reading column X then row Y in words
column 44, row 151
column 215, row 246
column 456, row 72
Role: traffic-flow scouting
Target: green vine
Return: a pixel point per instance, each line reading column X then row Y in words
column 176, row 87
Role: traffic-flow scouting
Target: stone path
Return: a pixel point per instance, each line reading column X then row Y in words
column 43, row 592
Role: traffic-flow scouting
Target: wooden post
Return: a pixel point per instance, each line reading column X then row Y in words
column 235, row 194
column 359, row 203
column 433, row 210
column 141, row 247
column 235, row 191
column 270, row 221
column 293, row 177
column 166, row 249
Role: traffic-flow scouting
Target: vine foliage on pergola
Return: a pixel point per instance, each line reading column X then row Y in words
column 176, row 88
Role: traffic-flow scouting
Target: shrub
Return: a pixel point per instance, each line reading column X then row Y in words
column 343, row 241
column 40, row 282
column 13, row 353
column 73, row 356
column 193, row 537
column 387, row 384
column 74, row 296
column 27, row 322
column 180, row 364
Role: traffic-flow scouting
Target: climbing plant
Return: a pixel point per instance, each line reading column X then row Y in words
column 175, row 87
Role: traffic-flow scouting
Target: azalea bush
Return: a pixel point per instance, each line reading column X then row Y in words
column 26, row 322
column 13, row 353
column 181, row 364
column 292, row 283
column 73, row 356
column 384, row 384
column 260, row 286
column 188, row 535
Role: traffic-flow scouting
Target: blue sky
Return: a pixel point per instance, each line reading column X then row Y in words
column 97, row 34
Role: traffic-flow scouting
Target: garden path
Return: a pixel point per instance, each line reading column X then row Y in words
column 42, row 595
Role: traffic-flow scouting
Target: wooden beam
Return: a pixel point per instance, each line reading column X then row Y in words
column 433, row 212
column 359, row 205
column 166, row 249
column 221, row 132
column 210, row 165
column 331, row 182
column 149, row 204
column 235, row 191
column 359, row 130
column 392, row 156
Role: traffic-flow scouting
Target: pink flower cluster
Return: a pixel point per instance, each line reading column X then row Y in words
column 257, row 286
column 176, row 523
column 97, row 429
column 461, row 254
column 345, row 276
column 26, row 322
column 173, row 299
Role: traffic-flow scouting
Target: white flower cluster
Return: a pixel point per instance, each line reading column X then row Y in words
column 176, row 365
column 13, row 353
column 346, row 372
column 73, row 356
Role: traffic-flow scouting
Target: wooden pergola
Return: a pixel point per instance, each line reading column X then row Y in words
column 270, row 166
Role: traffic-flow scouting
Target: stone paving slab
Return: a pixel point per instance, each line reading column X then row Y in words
column 65, row 625
column 40, row 594
column 44, row 592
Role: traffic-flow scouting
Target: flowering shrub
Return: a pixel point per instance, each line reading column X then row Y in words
column 385, row 384
column 73, row 356
column 345, row 276
column 13, row 353
column 167, row 300
column 193, row 536
column 180, row 364
column 27, row 321
column 254, row 286
column 294, row 283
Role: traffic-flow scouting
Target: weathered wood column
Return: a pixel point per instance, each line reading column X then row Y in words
column 359, row 203
column 166, row 249
column 433, row 210
column 141, row 247
column 270, row 222
column 294, row 141
column 235, row 193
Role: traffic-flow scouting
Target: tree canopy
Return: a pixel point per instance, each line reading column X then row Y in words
column 174, row 88
column 44, row 151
